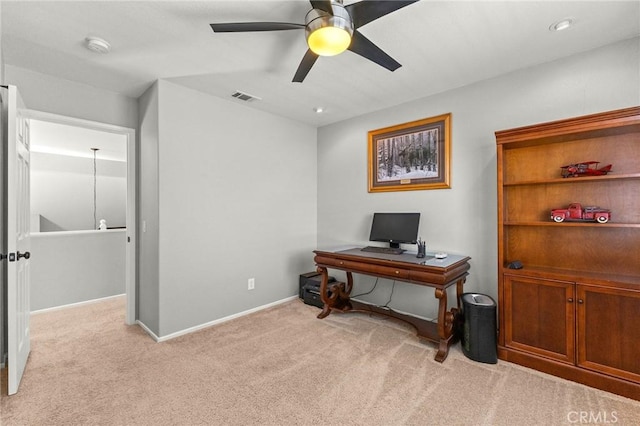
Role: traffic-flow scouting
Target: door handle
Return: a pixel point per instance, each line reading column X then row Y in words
column 26, row 255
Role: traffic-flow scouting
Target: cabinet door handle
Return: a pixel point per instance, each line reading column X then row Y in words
column 580, row 301
column 570, row 300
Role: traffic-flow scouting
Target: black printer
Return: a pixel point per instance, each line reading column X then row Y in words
column 310, row 288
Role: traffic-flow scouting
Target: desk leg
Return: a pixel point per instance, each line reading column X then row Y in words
column 337, row 296
column 349, row 285
column 459, row 291
column 445, row 326
column 326, row 309
column 458, row 318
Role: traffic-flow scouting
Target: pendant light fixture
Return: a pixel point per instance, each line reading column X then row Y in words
column 95, row 216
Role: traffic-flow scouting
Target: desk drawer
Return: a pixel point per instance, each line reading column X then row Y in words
column 365, row 268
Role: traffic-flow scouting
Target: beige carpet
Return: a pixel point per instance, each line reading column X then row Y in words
column 281, row 366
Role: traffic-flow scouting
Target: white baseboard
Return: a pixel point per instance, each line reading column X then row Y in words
column 148, row 330
column 212, row 323
column 73, row 305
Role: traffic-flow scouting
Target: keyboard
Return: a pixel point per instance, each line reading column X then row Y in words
column 384, row 250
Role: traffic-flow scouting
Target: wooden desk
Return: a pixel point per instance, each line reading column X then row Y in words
column 429, row 271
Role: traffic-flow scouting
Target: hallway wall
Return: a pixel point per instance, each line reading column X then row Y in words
column 62, row 192
column 76, row 266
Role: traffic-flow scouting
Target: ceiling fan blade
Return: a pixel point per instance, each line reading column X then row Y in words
column 305, row 66
column 366, row 11
column 240, row 27
column 322, row 5
column 365, row 48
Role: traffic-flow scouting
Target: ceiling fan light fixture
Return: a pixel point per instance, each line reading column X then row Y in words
column 329, row 35
column 329, row 41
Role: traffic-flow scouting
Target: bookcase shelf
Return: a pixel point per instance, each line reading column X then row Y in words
column 575, row 224
column 566, row 312
column 576, row 180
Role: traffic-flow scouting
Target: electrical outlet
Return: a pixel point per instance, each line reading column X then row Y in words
column 251, row 283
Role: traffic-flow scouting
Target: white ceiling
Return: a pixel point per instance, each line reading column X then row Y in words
column 441, row 45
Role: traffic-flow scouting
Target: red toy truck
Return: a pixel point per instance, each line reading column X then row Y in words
column 575, row 212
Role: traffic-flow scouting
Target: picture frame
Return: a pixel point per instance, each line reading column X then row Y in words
column 411, row 156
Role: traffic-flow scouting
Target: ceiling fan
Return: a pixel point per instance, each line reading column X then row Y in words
column 331, row 28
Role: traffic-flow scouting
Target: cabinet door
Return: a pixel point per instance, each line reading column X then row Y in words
column 608, row 332
column 539, row 316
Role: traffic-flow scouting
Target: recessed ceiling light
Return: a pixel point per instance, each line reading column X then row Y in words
column 318, row 110
column 97, row 45
column 561, row 25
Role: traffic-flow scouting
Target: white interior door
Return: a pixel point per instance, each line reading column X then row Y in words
column 18, row 241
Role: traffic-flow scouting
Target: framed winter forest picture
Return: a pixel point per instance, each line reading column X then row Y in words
column 411, row 156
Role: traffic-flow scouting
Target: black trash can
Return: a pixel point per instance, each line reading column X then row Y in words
column 479, row 328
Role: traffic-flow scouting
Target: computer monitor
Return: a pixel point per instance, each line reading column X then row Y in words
column 395, row 228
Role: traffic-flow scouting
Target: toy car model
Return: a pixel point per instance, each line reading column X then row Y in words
column 587, row 168
column 575, row 212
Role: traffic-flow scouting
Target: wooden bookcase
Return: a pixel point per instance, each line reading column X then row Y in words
column 573, row 310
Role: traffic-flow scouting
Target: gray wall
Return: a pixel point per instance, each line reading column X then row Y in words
column 463, row 219
column 1, row 74
column 77, row 266
column 42, row 92
column 236, row 194
column 62, row 192
column 148, row 296
column 195, row 192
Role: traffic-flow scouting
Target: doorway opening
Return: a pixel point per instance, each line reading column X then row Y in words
column 90, row 166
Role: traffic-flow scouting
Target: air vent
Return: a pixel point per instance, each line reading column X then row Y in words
column 245, row 97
